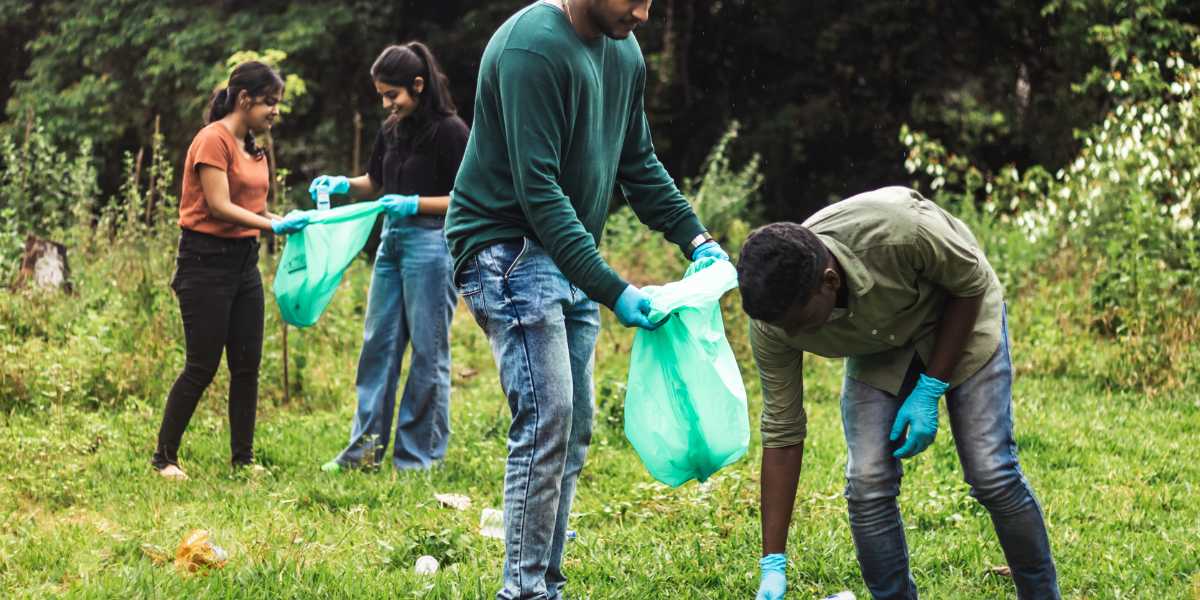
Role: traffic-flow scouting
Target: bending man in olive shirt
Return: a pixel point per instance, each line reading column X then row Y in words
column 559, row 123
column 902, row 290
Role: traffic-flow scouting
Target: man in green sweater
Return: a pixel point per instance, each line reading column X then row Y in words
column 559, row 123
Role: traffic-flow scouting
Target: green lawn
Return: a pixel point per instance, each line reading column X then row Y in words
column 1117, row 475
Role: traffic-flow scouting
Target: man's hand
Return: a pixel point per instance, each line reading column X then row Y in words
column 709, row 248
column 632, row 307
column 919, row 414
column 773, row 584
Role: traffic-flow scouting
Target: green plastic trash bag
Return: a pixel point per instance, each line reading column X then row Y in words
column 316, row 257
column 685, row 403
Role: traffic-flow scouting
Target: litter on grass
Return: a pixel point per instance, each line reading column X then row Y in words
column 196, row 551
column 455, row 501
column 491, row 523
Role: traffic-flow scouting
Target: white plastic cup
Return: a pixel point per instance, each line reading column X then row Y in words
column 426, row 565
column 491, row 523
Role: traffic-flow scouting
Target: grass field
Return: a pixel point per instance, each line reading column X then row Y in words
column 1117, row 474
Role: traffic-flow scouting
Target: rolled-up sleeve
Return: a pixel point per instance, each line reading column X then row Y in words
column 945, row 252
column 780, row 369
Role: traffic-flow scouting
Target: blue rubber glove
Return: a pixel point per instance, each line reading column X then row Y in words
column 709, row 248
column 330, row 184
column 399, row 206
column 773, row 584
column 919, row 414
column 632, row 307
column 293, row 222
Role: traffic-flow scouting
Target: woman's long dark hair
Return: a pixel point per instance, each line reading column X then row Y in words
column 258, row 80
column 400, row 66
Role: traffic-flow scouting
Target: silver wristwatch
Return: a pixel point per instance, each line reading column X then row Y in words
column 698, row 241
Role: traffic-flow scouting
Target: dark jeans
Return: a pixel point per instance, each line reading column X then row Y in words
column 221, row 301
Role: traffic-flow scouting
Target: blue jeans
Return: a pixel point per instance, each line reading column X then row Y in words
column 411, row 301
column 543, row 336
column 981, row 421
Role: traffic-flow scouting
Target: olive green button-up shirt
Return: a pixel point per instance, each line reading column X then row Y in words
column 903, row 256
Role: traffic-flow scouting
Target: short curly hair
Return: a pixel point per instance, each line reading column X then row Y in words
column 779, row 266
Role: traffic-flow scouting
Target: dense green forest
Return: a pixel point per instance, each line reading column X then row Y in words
column 821, row 88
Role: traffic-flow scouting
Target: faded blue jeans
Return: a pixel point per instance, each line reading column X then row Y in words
column 411, row 301
column 981, row 421
column 543, row 336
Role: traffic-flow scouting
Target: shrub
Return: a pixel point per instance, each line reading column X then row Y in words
column 44, row 189
column 1124, row 210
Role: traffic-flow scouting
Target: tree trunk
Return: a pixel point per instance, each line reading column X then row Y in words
column 152, row 193
column 272, row 197
column 44, row 264
column 358, row 129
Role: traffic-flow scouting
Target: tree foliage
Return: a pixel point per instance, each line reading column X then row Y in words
column 821, row 89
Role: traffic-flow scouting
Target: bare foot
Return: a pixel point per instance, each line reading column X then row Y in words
column 173, row 472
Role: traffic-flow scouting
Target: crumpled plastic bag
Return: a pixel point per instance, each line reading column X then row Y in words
column 685, row 402
column 316, row 257
column 196, row 551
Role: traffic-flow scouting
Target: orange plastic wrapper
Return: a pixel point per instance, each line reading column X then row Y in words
column 196, row 551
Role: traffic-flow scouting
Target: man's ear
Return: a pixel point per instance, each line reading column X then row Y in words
column 831, row 279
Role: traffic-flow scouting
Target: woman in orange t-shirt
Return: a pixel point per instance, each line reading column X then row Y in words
column 222, row 209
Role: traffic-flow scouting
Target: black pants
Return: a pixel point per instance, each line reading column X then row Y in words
column 221, row 301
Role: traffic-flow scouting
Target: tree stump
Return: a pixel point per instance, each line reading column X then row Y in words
column 44, row 263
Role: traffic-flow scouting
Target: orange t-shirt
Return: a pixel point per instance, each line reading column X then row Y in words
column 249, row 182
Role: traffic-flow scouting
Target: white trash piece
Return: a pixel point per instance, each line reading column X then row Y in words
column 322, row 200
column 426, row 565
column 491, row 523
column 455, row 501
column 842, row 595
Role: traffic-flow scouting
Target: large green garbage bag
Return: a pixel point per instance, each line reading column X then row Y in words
column 685, row 403
column 316, row 257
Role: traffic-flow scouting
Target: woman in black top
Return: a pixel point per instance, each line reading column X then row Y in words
column 412, row 300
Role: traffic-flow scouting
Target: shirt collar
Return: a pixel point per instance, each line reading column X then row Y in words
column 857, row 276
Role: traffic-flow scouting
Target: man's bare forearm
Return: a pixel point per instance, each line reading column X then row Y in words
column 953, row 331
column 780, row 475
